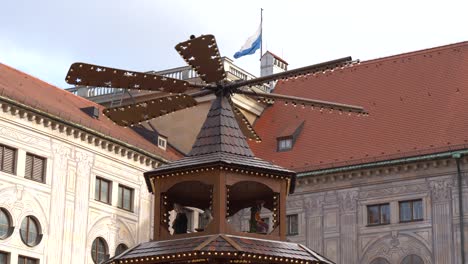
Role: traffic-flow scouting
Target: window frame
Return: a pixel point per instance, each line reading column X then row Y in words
column 412, row 210
column 289, row 229
column 38, row 239
column 106, row 250
column 120, row 199
column 162, row 140
column 7, row 254
column 2, row 159
column 44, row 167
column 26, row 259
column 109, row 190
column 280, row 148
column 10, row 224
column 118, row 248
column 380, row 205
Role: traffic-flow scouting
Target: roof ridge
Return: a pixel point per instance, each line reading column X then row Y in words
column 414, row 53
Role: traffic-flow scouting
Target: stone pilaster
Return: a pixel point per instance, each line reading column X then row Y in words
column 84, row 161
column 61, row 154
column 348, row 226
column 314, row 219
column 442, row 220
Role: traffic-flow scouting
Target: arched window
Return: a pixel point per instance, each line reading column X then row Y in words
column 412, row 259
column 99, row 250
column 30, row 231
column 120, row 249
column 5, row 224
column 255, row 200
column 380, row 261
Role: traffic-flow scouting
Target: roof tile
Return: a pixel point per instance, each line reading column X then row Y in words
column 417, row 104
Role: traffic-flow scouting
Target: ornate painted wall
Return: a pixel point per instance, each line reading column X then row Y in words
column 332, row 213
column 69, row 216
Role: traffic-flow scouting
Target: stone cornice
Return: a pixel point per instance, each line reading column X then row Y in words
column 86, row 134
column 366, row 173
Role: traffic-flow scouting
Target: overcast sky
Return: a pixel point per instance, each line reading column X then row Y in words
column 43, row 37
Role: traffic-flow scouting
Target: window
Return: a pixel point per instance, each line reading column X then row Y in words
column 190, row 217
column 380, row 261
column 27, row 260
column 8, row 159
column 120, row 249
column 412, row 259
column 99, row 250
column 287, row 138
column 285, row 144
column 35, row 168
column 5, row 224
column 4, row 257
column 30, row 231
column 203, row 220
column 103, row 190
column 411, row 211
column 292, row 225
column 378, row 214
column 125, row 198
column 162, row 142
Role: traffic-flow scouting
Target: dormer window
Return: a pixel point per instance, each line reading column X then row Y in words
column 285, row 144
column 288, row 137
column 162, row 142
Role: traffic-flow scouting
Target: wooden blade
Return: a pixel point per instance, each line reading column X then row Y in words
column 329, row 65
column 133, row 114
column 300, row 101
column 202, row 54
column 99, row 76
column 244, row 124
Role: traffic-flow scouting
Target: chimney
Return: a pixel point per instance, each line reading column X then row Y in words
column 271, row 64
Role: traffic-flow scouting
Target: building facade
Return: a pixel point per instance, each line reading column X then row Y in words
column 71, row 185
column 387, row 188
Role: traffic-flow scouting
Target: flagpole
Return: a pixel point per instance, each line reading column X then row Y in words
column 261, row 32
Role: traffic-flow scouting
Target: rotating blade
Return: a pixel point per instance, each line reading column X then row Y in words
column 133, row 114
column 202, row 54
column 300, row 101
column 244, row 124
column 321, row 67
column 99, row 76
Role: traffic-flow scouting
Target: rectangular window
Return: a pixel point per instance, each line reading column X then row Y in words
column 4, row 258
column 284, row 144
column 411, row 211
column 35, row 168
column 378, row 214
column 125, row 198
column 292, row 225
column 8, row 159
column 27, row 260
column 162, row 142
column 103, row 190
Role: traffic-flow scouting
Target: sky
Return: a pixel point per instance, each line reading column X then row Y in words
column 43, row 38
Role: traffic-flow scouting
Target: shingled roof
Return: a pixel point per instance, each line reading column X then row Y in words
column 220, row 141
column 220, row 246
column 45, row 98
column 417, row 104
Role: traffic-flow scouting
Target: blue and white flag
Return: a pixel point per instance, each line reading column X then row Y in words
column 251, row 45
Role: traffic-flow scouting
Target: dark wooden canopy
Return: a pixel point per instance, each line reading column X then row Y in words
column 219, row 248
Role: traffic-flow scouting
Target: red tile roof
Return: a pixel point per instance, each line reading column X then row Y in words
column 417, row 103
column 30, row 91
